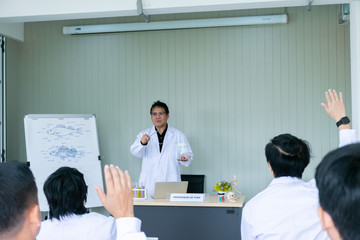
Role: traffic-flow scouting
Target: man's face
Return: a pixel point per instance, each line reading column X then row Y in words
column 159, row 117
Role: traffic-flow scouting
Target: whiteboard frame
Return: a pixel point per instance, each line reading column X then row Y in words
column 92, row 170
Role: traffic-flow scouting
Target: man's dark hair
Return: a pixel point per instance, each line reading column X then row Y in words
column 159, row 104
column 18, row 192
column 287, row 155
column 65, row 191
column 338, row 180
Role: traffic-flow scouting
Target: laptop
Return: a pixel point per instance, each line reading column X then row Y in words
column 164, row 189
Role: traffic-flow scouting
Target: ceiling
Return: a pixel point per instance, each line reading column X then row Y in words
column 45, row 10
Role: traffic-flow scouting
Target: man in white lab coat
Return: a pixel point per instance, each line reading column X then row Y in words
column 162, row 148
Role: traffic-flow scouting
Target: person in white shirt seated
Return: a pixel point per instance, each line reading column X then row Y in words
column 66, row 194
column 287, row 208
column 19, row 206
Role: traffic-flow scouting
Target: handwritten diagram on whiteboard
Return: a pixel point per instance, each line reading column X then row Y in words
column 54, row 141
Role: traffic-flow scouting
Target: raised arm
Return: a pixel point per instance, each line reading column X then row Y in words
column 118, row 201
column 335, row 108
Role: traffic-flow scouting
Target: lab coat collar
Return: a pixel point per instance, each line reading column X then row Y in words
column 66, row 217
column 152, row 131
column 168, row 136
column 285, row 180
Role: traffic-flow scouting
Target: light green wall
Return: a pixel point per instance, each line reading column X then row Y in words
column 13, row 115
column 228, row 89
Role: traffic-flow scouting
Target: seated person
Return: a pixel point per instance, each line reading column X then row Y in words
column 338, row 178
column 338, row 181
column 287, row 208
column 19, row 208
column 66, row 192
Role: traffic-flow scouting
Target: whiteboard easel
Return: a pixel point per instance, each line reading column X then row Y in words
column 54, row 141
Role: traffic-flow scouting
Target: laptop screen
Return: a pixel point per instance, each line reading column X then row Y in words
column 164, row 189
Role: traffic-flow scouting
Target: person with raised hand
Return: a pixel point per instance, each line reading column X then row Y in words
column 20, row 214
column 118, row 201
column 338, row 177
column 66, row 194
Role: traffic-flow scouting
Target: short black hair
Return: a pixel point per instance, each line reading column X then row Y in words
column 338, row 180
column 287, row 155
column 18, row 192
column 159, row 104
column 65, row 191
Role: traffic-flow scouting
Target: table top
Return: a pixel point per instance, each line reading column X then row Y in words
column 210, row 201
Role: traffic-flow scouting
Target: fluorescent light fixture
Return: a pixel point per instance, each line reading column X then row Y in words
column 178, row 24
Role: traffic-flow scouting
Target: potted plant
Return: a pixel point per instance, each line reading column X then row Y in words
column 221, row 188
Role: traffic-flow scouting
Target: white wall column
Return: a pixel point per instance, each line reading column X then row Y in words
column 355, row 63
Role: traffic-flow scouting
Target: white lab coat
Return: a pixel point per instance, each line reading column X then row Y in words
column 160, row 166
column 286, row 209
column 128, row 228
column 347, row 136
column 91, row 226
column 80, row 227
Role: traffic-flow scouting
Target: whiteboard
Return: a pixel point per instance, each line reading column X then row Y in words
column 54, row 141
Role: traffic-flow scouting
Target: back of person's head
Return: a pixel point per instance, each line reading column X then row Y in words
column 338, row 180
column 18, row 194
column 287, row 155
column 161, row 105
column 65, row 191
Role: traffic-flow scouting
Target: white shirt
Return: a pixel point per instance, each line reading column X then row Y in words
column 347, row 136
column 128, row 228
column 80, row 227
column 286, row 209
column 160, row 166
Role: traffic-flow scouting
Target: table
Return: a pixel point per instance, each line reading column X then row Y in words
column 190, row 220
